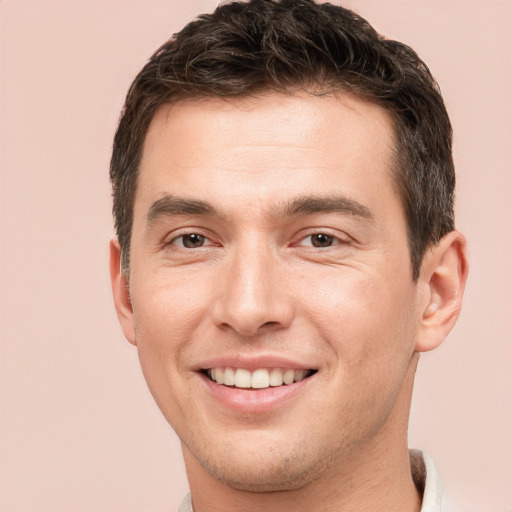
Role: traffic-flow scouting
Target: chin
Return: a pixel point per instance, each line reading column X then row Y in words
column 255, row 479
column 267, row 470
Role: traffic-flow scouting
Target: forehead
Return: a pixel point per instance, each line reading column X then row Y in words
column 267, row 148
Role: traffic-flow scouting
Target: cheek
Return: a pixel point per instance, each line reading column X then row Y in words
column 163, row 319
column 167, row 305
column 368, row 321
column 369, row 328
column 160, row 346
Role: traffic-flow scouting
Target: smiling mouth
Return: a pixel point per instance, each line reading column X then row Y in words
column 258, row 379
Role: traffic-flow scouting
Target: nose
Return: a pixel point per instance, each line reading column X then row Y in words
column 253, row 296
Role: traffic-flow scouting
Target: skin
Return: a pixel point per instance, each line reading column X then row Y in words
column 258, row 286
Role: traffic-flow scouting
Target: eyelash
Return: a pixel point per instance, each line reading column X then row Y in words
column 333, row 240
column 182, row 236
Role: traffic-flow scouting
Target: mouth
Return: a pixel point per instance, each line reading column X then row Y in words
column 260, row 378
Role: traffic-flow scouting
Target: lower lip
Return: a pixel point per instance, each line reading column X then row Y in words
column 254, row 401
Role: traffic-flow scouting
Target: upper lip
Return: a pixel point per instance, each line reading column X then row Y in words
column 252, row 362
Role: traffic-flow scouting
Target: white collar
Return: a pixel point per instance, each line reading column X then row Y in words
column 432, row 485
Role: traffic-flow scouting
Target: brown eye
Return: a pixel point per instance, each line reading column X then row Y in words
column 321, row 240
column 192, row 240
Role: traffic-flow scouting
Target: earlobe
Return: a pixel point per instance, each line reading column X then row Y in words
column 443, row 277
column 121, row 292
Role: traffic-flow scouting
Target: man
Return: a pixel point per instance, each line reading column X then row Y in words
column 283, row 199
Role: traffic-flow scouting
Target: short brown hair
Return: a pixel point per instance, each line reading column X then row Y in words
column 286, row 45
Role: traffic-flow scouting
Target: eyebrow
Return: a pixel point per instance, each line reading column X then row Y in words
column 169, row 206
column 310, row 205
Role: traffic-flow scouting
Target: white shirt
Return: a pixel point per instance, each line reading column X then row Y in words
column 424, row 475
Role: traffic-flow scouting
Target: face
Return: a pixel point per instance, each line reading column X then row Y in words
column 273, row 307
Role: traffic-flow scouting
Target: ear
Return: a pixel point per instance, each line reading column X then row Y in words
column 121, row 292
column 443, row 277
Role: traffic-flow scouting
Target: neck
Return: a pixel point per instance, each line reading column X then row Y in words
column 376, row 476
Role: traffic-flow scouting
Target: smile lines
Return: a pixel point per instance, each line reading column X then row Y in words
column 257, row 379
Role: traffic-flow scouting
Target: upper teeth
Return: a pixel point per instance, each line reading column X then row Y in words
column 258, row 379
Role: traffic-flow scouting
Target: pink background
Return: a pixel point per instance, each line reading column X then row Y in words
column 78, row 429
